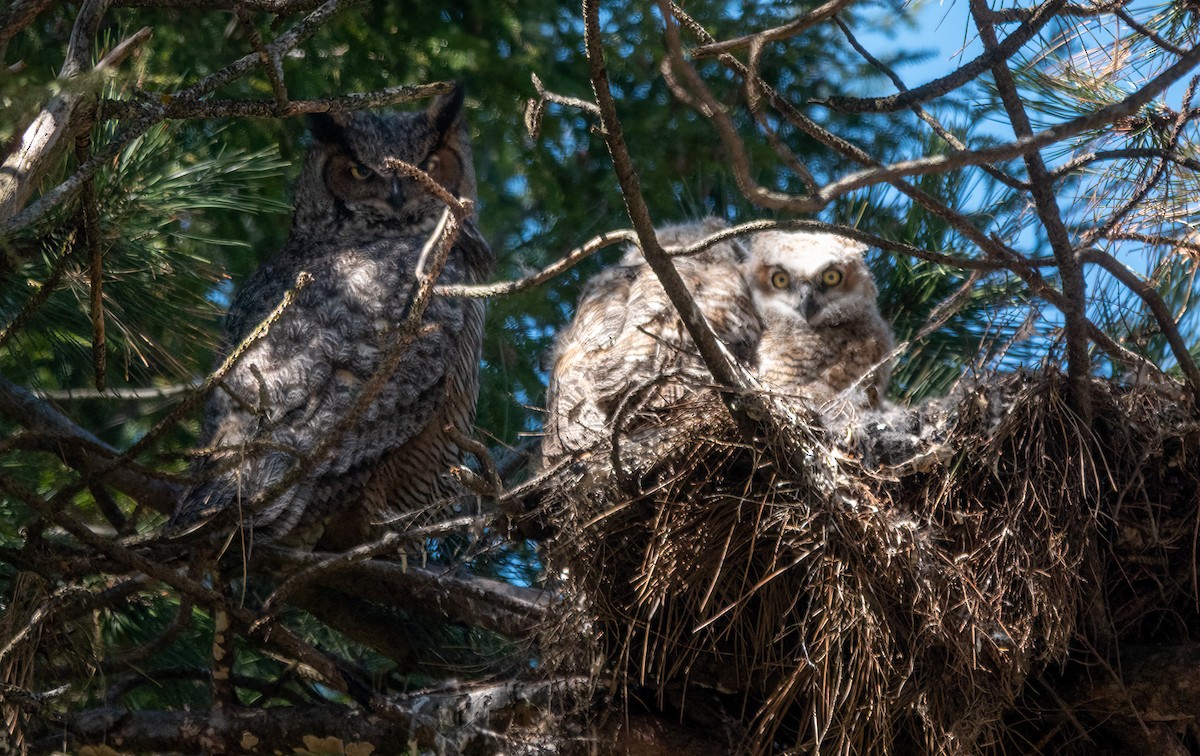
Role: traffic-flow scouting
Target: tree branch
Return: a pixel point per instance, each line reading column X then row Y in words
column 452, row 596
column 790, row 29
column 1042, row 15
column 1074, row 288
column 13, row 221
column 1162, row 313
column 920, row 112
column 80, row 449
column 24, row 167
column 725, row 370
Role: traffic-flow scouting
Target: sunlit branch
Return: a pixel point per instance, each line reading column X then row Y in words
column 1162, row 313
column 1074, row 287
column 1042, row 15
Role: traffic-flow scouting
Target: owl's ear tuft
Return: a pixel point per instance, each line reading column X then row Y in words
column 328, row 128
column 445, row 110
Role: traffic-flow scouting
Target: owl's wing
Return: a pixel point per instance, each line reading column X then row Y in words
column 627, row 343
column 293, row 387
column 662, row 344
column 587, row 354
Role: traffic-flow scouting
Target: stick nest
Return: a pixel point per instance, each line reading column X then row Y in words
column 893, row 581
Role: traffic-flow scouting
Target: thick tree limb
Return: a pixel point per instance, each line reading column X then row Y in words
column 23, row 169
column 11, row 223
column 80, row 449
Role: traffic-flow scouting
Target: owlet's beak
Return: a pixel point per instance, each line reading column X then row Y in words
column 809, row 305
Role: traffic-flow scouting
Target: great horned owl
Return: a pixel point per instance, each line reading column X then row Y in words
column 357, row 230
column 822, row 330
column 628, row 344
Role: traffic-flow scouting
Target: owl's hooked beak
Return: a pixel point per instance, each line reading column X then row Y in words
column 396, row 195
column 809, row 305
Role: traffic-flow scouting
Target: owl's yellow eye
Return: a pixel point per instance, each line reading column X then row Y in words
column 831, row 277
column 360, row 172
column 780, row 279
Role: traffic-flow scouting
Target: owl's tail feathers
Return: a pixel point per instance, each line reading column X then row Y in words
column 201, row 504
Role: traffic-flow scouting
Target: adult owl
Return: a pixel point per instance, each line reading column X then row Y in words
column 822, row 330
column 627, row 345
column 358, row 229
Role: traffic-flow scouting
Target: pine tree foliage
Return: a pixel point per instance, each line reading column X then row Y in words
column 158, row 200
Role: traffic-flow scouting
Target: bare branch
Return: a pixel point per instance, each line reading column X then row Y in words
column 1162, row 313
column 177, row 109
column 390, row 543
column 277, row 7
column 118, row 394
column 271, row 63
column 1042, row 15
column 1042, row 188
column 1150, row 34
column 790, row 29
column 467, row 712
column 724, row 369
column 56, row 511
column 568, row 102
column 1160, row 171
column 455, row 218
column 1149, row 153
column 920, row 112
column 719, row 117
column 550, row 271
column 503, row 288
column 69, row 600
column 1014, row 15
column 83, row 451
column 490, row 480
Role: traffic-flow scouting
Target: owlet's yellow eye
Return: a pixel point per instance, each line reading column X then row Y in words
column 359, row 172
column 780, row 279
column 831, row 277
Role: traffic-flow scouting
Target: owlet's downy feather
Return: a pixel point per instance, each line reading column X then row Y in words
column 822, row 331
column 358, row 230
column 798, row 308
column 627, row 345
